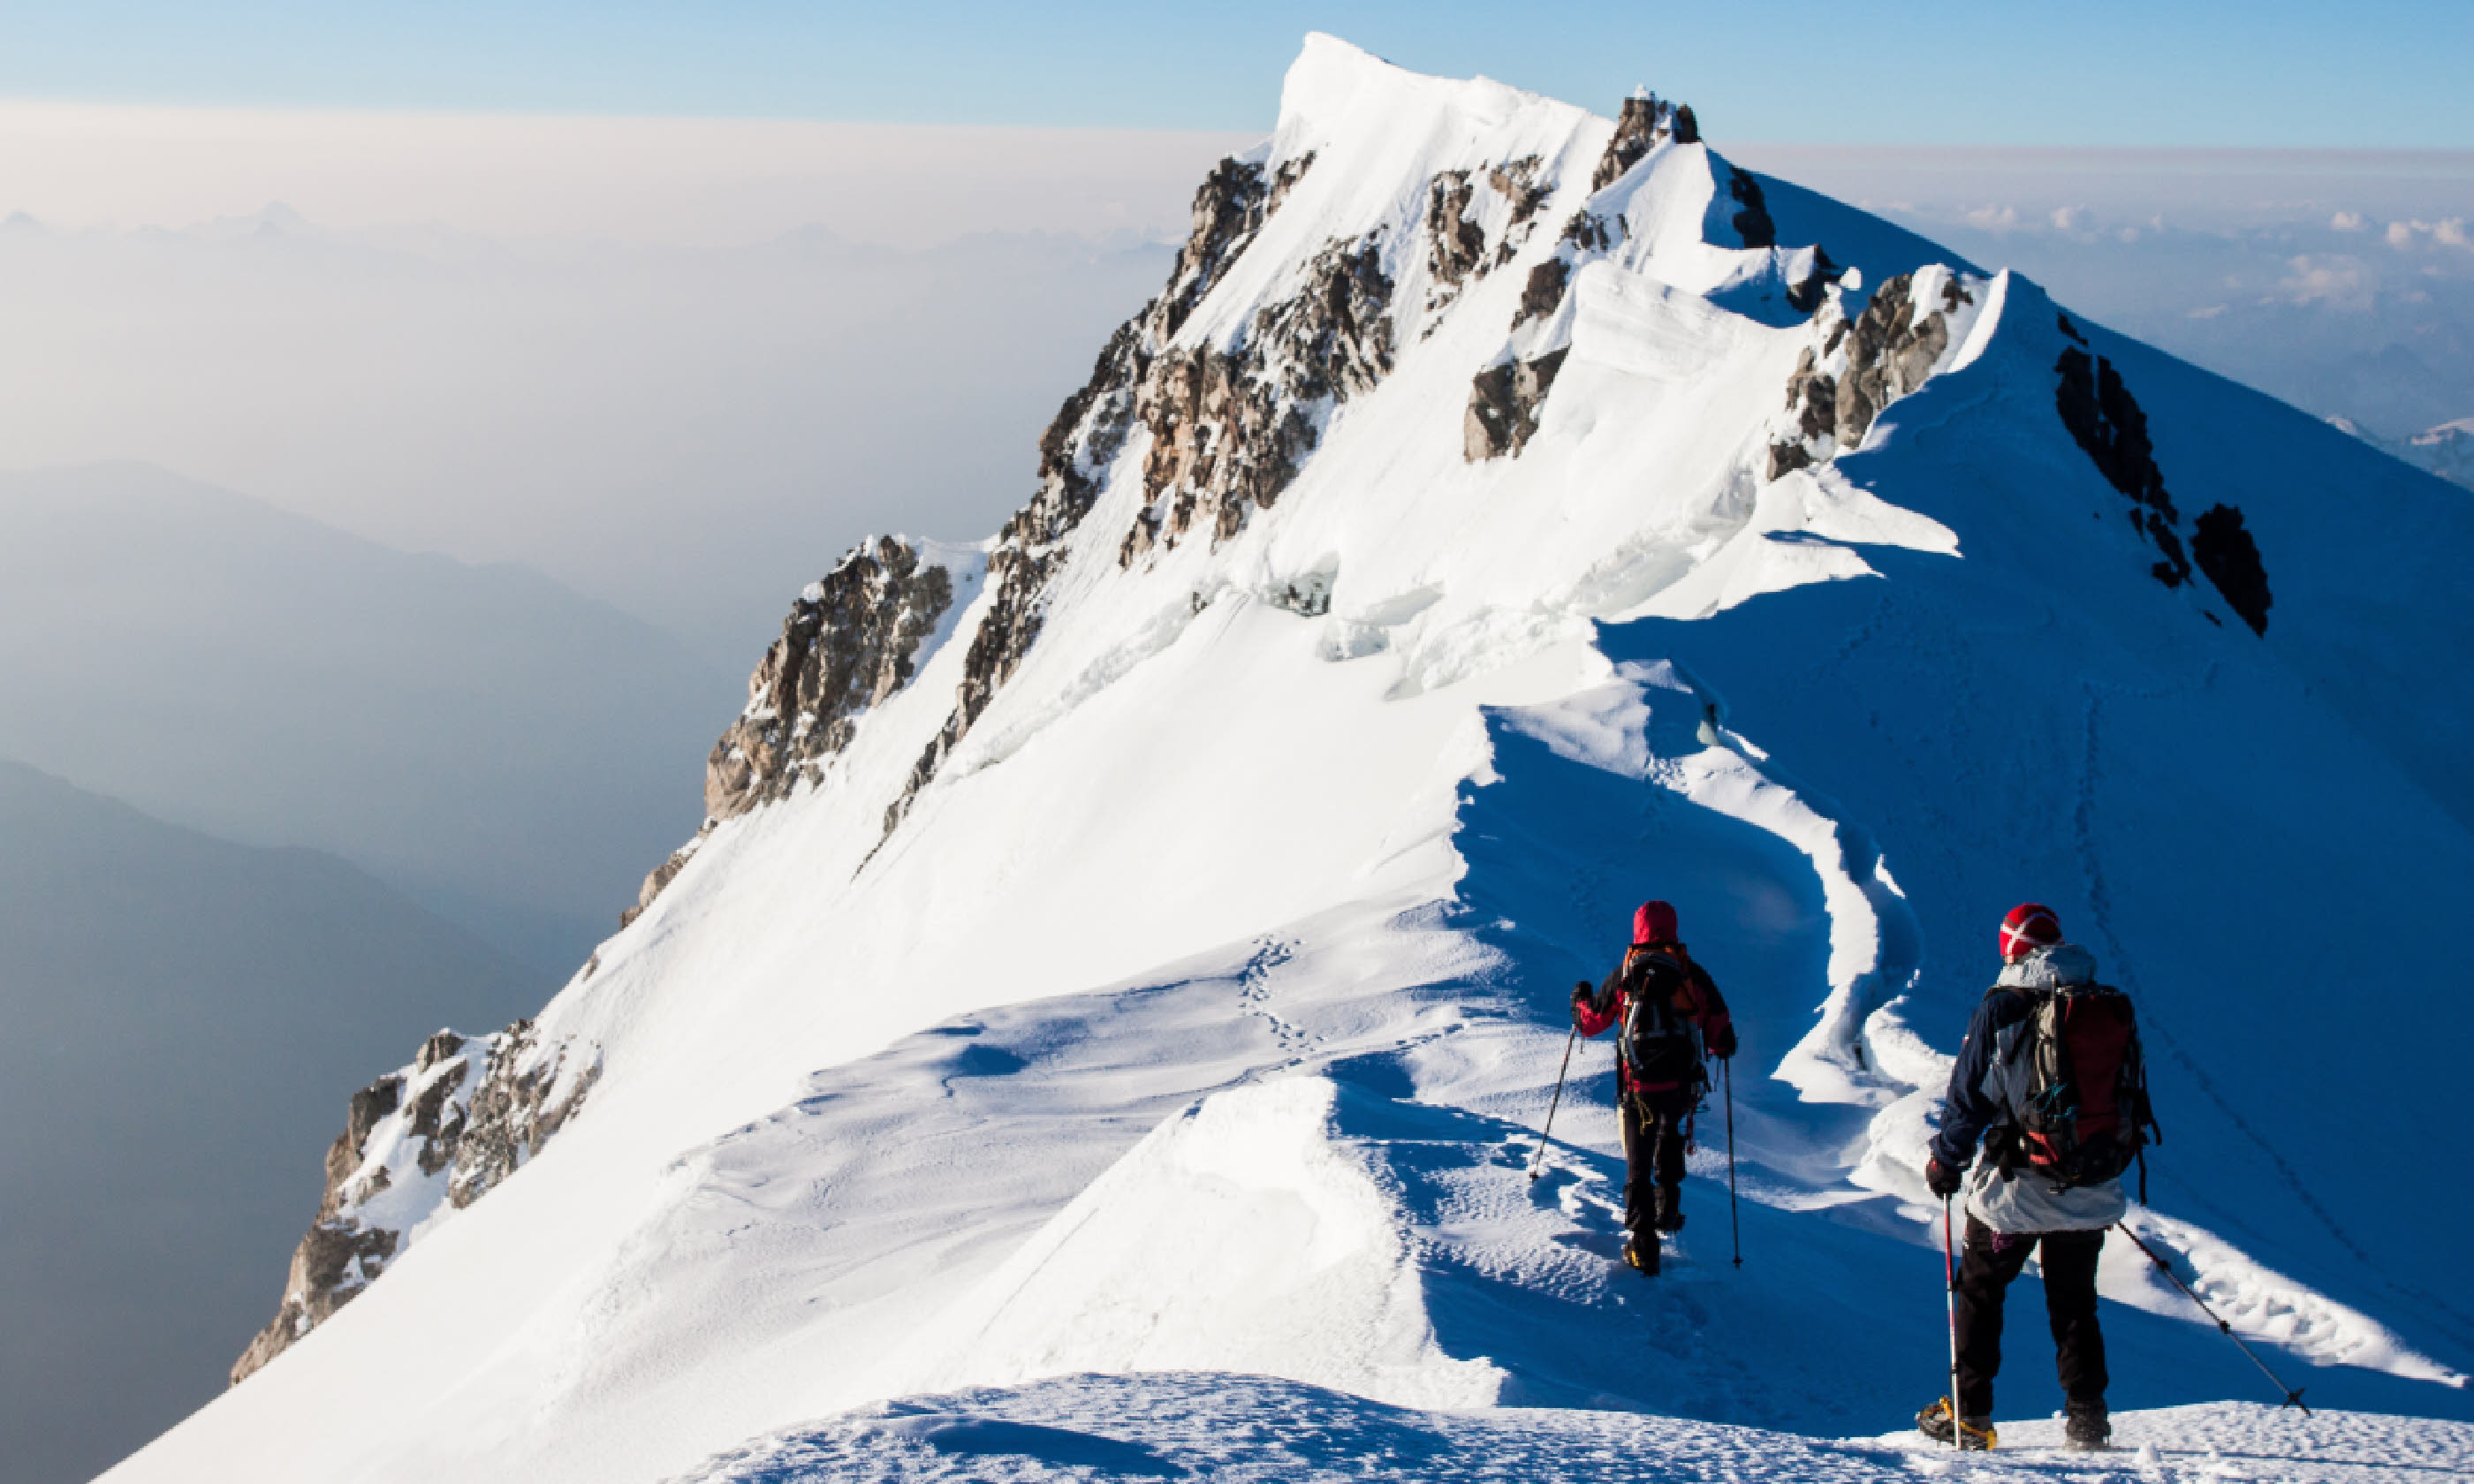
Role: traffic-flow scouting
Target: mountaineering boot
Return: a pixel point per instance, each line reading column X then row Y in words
column 1669, row 1208
column 2085, row 1429
column 1974, row 1435
column 1641, row 1251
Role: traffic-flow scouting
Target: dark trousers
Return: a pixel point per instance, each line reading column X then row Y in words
column 1990, row 1261
column 1653, row 1144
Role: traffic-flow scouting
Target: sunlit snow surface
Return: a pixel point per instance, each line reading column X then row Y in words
column 1243, row 1427
column 1197, row 1022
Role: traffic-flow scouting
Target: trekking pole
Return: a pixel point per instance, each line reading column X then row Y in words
column 1735, row 1231
column 2293, row 1395
column 1949, row 1293
column 1538, row 1166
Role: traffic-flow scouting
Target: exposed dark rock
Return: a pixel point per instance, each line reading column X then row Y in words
column 656, row 881
column 1636, row 129
column 2225, row 551
column 1890, row 351
column 1308, row 597
column 1228, row 428
column 1456, row 245
column 849, row 642
column 1334, row 338
column 524, row 1097
column 1589, row 233
column 2111, row 428
column 1516, row 181
column 1813, row 395
column 2175, row 569
column 1503, row 406
column 433, row 1113
column 1751, row 220
column 1290, row 173
column 330, row 1268
column 1543, row 292
column 1688, row 129
column 1805, row 295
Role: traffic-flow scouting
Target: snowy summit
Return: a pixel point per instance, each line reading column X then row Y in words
column 1103, row 1027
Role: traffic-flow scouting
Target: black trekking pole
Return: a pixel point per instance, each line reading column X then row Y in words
column 1950, row 1300
column 2292, row 1394
column 1538, row 1166
column 1735, row 1231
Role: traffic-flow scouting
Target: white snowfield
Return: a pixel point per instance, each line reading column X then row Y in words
column 1157, row 1100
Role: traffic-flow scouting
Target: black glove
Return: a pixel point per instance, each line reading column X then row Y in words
column 1582, row 994
column 1942, row 1179
column 1723, row 1044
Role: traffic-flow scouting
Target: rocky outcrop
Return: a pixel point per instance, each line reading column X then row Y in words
column 657, row 880
column 1640, row 124
column 1228, row 209
column 1456, row 245
column 850, row 641
column 1752, row 219
column 1503, row 406
column 1862, row 367
column 1226, row 428
column 1543, row 293
column 1516, row 181
column 437, row 1134
column 2109, row 425
column 2223, row 549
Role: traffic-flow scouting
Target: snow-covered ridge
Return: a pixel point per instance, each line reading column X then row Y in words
column 1222, row 864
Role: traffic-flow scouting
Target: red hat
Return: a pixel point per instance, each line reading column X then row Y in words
column 1654, row 922
column 2029, row 925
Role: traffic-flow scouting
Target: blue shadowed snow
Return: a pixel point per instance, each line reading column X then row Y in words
column 2201, row 806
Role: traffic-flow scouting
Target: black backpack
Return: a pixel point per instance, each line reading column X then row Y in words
column 1658, row 1044
column 2076, row 1083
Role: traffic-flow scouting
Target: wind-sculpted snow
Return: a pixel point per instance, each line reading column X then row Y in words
column 1243, row 1428
column 1172, row 972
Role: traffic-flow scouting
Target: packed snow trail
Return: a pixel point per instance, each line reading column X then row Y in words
column 1501, row 518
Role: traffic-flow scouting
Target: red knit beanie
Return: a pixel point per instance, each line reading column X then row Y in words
column 1654, row 922
column 2030, row 926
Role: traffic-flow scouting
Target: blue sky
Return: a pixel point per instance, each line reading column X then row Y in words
column 2285, row 73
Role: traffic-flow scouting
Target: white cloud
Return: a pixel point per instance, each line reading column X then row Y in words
column 1993, row 218
column 2069, row 218
column 2338, row 280
column 2446, row 233
column 2346, row 222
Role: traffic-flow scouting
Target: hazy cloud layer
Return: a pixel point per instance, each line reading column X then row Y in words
column 185, row 1021
column 515, row 756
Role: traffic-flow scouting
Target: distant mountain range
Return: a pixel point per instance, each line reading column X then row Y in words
column 512, row 754
column 2446, row 450
column 175, row 1011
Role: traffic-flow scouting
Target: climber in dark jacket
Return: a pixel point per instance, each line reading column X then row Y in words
column 1654, row 1100
column 2011, row 1216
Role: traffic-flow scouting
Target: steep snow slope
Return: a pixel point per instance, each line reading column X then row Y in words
column 1502, row 516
